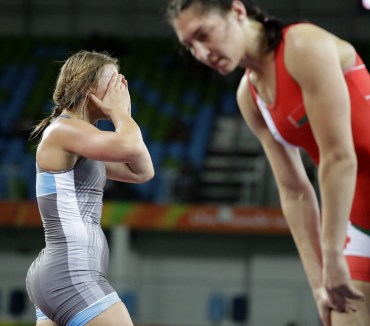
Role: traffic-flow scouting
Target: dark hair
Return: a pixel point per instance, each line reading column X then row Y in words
column 273, row 26
column 77, row 77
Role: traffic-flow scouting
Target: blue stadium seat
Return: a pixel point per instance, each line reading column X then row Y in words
column 17, row 302
column 240, row 309
column 190, row 97
column 216, row 308
column 15, row 150
column 156, row 152
column 229, row 105
column 152, row 96
column 9, row 76
column 200, row 135
column 175, row 150
column 130, row 301
column 168, row 109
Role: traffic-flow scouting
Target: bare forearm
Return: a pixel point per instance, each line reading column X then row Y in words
column 143, row 167
column 126, row 126
column 303, row 217
column 140, row 167
column 337, row 184
column 139, row 171
column 138, row 159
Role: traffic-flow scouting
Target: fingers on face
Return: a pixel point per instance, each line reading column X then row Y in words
column 121, row 82
column 124, row 84
column 113, row 81
column 118, row 81
column 125, row 81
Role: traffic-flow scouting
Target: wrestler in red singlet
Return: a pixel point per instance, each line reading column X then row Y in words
column 288, row 122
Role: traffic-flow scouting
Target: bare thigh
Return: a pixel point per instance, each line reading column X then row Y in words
column 116, row 315
column 359, row 318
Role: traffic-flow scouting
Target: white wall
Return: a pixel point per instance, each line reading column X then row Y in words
column 175, row 274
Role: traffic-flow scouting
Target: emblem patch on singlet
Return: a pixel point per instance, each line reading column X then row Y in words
column 298, row 116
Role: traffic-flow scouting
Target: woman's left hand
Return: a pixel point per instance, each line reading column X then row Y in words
column 338, row 283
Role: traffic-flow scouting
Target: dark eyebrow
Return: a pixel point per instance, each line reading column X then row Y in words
column 193, row 35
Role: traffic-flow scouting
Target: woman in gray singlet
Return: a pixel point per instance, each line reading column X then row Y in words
column 67, row 281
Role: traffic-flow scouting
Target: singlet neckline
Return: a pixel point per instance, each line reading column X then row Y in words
column 257, row 94
column 64, row 116
column 276, row 53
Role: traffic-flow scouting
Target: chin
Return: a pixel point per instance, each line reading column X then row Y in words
column 224, row 71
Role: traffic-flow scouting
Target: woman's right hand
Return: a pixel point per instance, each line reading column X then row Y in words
column 116, row 97
column 324, row 306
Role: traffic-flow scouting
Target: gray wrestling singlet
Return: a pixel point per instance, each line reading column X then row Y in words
column 70, row 272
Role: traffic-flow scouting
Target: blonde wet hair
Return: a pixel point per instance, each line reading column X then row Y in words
column 78, row 76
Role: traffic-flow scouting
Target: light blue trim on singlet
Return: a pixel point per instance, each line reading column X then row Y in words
column 40, row 315
column 45, row 184
column 84, row 316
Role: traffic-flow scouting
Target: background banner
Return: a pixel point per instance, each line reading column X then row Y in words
column 206, row 218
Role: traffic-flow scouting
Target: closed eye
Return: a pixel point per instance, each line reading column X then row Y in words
column 202, row 36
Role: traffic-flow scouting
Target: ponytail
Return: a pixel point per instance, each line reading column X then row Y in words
column 41, row 126
column 272, row 25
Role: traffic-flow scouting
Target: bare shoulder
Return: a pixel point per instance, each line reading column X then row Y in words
column 63, row 127
column 55, row 150
column 249, row 109
column 316, row 48
column 312, row 52
column 304, row 42
column 243, row 93
column 63, row 131
column 244, row 97
column 303, row 36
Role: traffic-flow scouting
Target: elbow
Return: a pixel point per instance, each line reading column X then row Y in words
column 345, row 163
column 295, row 189
column 350, row 164
column 298, row 193
column 145, row 177
column 149, row 175
column 131, row 152
column 347, row 158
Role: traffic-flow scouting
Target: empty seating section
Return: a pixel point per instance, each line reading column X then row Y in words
column 175, row 101
column 174, row 107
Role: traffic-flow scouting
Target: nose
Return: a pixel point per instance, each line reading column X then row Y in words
column 200, row 52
